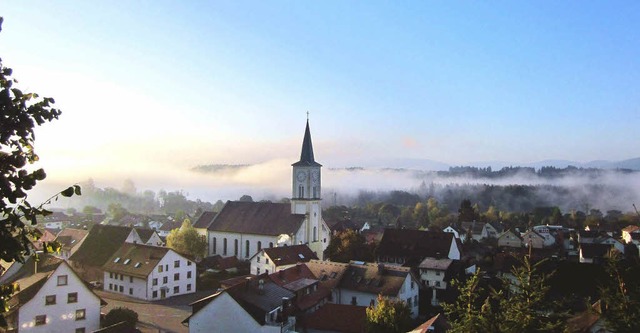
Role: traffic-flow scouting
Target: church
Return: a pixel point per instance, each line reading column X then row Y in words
column 242, row 229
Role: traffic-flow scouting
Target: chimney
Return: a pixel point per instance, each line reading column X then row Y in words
column 261, row 286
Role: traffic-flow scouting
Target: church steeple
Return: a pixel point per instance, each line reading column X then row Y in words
column 306, row 155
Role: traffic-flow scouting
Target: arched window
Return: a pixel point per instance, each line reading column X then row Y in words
column 270, row 244
column 235, row 247
column 246, row 249
column 224, row 247
column 259, row 246
column 214, row 246
column 300, row 191
column 315, row 234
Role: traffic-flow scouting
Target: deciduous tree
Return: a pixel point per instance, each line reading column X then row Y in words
column 20, row 113
column 388, row 316
column 186, row 240
column 348, row 245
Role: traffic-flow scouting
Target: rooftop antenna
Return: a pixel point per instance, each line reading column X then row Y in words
column 634, row 207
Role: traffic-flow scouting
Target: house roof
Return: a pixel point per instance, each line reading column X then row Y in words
column 170, row 225
column 329, row 273
column 631, row 229
column 135, row 259
column 289, row 255
column 595, row 250
column 44, row 264
column 101, row 243
column 70, row 238
column 145, row 234
column 532, row 232
column 437, row 324
column 219, row 262
column 475, row 227
column 291, row 274
column 374, row 278
column 509, row 232
column 337, row 318
column 415, row 245
column 204, row 220
column 258, row 218
column 254, row 297
column 436, row 264
column 306, row 155
column 583, row 322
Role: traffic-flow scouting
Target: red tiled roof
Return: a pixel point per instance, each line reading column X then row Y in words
column 289, row 255
column 338, row 318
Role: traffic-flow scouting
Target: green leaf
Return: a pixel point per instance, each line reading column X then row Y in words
column 68, row 192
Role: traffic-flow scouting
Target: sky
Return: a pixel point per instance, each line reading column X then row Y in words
column 150, row 89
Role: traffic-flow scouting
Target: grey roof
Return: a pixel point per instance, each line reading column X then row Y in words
column 374, row 278
column 306, row 155
column 289, row 255
column 145, row 234
column 135, row 259
column 101, row 243
column 258, row 218
column 436, row 264
column 204, row 220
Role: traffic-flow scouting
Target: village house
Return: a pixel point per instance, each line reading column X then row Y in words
column 631, row 233
column 432, row 274
column 149, row 237
column 363, row 282
column 149, row 272
column 99, row 245
column 51, row 298
column 534, row 240
column 409, row 247
column 254, row 305
column 457, row 232
column 306, row 287
column 273, row 259
column 510, row 239
column 70, row 240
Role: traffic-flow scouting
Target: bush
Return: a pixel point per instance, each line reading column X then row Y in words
column 118, row 315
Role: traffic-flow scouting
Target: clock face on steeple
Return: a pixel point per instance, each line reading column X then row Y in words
column 301, row 176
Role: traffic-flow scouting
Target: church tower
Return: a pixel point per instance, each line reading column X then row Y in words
column 306, row 195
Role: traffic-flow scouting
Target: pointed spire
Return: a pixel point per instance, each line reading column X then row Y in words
column 306, row 155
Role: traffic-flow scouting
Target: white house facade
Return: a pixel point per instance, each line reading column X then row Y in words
column 149, row 272
column 61, row 303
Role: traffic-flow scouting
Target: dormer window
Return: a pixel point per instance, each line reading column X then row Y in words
column 126, row 261
column 117, row 260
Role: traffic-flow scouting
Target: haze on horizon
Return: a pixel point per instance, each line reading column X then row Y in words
column 151, row 89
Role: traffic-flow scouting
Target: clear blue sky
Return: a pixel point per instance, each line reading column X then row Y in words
column 172, row 84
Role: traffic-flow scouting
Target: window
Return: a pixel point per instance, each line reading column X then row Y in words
column 160, row 269
column 176, row 277
column 121, row 277
column 409, row 302
column 50, row 300
column 224, row 247
column 257, row 270
column 62, row 280
column 154, row 282
column 315, row 234
column 258, row 259
column 246, row 249
column 176, row 289
column 215, row 250
column 437, row 283
column 266, row 271
column 110, row 286
column 165, row 280
column 72, row 297
column 300, row 191
column 270, row 244
column 189, row 263
column 130, row 291
column 235, row 247
column 131, row 279
column 166, row 267
column 354, row 300
column 121, row 288
column 176, row 264
column 110, row 275
column 438, row 273
column 315, row 192
column 259, row 246
column 126, row 261
column 80, row 330
column 266, row 260
column 189, row 287
column 155, row 294
column 41, row 320
column 188, row 274
column 415, row 300
column 80, row 314
column 117, row 260
column 413, row 284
